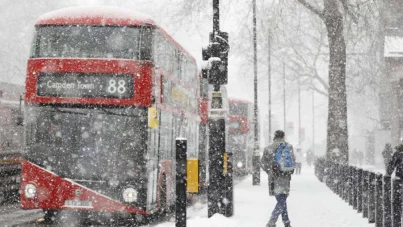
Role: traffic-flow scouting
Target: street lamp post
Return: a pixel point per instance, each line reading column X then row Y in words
column 256, row 153
column 284, row 98
column 299, row 112
column 269, row 74
column 313, row 120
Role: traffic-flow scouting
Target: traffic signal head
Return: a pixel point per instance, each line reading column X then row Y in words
column 206, row 53
column 216, row 73
column 220, row 48
column 217, row 55
column 205, row 69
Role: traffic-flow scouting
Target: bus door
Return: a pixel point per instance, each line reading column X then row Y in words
column 152, row 167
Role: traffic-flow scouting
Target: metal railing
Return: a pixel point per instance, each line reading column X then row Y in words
column 376, row 196
column 10, row 170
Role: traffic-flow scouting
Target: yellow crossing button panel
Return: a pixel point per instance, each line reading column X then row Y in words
column 192, row 175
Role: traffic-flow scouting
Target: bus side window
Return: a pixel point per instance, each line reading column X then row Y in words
column 146, row 41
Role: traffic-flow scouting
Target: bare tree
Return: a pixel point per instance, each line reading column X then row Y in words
column 337, row 131
column 305, row 42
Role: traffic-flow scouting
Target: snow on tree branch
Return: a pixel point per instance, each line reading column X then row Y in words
column 348, row 11
column 312, row 8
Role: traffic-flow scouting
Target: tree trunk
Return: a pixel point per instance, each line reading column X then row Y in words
column 337, row 130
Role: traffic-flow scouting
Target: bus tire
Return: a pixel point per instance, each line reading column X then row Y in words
column 2, row 197
column 50, row 216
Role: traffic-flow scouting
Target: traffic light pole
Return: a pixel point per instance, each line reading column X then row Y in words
column 269, row 68
column 217, row 74
column 216, row 16
column 216, row 139
column 216, row 160
column 299, row 113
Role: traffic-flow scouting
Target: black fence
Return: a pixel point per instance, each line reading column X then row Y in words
column 10, row 170
column 377, row 197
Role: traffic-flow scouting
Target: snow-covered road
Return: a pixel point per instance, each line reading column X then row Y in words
column 12, row 215
column 311, row 204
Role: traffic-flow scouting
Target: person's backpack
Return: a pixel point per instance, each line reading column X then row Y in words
column 284, row 159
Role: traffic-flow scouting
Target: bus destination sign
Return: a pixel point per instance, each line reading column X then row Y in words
column 85, row 85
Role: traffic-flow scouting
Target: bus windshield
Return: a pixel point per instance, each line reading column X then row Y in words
column 238, row 109
column 87, row 144
column 74, row 41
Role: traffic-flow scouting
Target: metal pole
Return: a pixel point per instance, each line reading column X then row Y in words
column 216, row 16
column 359, row 191
column 396, row 202
column 346, row 187
column 216, row 168
column 313, row 119
column 378, row 201
column 355, row 188
column 371, row 197
column 284, row 96
column 387, row 201
column 340, row 181
column 229, row 186
column 256, row 155
column 269, row 69
column 350, row 185
column 365, row 175
column 180, row 206
column 299, row 112
column 216, row 122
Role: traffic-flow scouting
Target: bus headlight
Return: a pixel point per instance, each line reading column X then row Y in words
column 130, row 195
column 240, row 164
column 30, row 191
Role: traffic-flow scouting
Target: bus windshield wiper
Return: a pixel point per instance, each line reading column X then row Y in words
column 118, row 114
column 56, row 109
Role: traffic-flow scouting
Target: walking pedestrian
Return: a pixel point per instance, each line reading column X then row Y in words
column 298, row 161
column 354, row 157
column 360, row 157
column 396, row 162
column 387, row 154
column 278, row 161
column 309, row 157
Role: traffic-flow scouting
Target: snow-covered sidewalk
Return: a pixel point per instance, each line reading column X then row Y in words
column 310, row 204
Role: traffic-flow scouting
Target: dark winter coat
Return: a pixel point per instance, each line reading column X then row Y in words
column 281, row 181
column 396, row 163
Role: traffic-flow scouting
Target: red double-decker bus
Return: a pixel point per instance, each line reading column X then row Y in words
column 240, row 135
column 107, row 93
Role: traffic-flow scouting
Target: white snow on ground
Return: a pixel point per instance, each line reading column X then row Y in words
column 375, row 169
column 311, row 204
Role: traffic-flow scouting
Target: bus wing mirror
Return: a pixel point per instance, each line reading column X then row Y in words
column 20, row 120
column 20, row 116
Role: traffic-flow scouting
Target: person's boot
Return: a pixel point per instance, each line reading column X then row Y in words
column 270, row 224
column 287, row 224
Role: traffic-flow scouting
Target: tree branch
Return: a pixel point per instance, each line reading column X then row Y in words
column 348, row 11
column 312, row 8
column 324, row 93
column 321, row 81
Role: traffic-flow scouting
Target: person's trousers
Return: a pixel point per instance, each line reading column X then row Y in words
column 281, row 208
column 298, row 167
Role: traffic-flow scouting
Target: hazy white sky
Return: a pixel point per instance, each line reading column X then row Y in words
column 18, row 17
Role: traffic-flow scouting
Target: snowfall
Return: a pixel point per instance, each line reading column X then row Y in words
column 310, row 204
